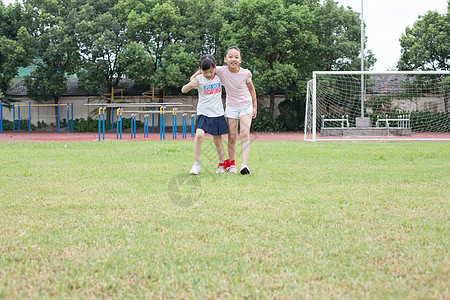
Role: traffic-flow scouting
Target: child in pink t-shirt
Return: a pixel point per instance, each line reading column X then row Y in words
column 241, row 106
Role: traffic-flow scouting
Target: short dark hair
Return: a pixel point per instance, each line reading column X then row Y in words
column 235, row 48
column 207, row 62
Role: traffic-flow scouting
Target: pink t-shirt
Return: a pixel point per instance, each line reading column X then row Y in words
column 238, row 94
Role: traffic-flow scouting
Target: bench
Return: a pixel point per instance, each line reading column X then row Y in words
column 403, row 121
column 343, row 120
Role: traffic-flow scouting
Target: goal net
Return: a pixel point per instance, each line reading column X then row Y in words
column 361, row 104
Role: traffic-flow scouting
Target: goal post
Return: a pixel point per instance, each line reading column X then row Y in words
column 377, row 103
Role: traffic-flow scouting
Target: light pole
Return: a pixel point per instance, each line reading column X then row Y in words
column 362, row 60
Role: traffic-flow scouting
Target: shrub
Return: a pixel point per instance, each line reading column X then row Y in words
column 8, row 125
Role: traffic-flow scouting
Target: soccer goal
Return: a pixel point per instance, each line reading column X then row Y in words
column 365, row 103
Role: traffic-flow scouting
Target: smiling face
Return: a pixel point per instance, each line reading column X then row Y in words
column 233, row 59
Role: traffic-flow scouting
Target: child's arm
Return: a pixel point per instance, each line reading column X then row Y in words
column 195, row 75
column 251, row 88
column 187, row 87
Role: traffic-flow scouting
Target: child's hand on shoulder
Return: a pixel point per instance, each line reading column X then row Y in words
column 192, row 84
column 249, row 73
column 195, row 75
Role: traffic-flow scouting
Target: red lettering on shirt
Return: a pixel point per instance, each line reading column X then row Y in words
column 210, row 92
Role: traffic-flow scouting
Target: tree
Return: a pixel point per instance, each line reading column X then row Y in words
column 338, row 30
column 173, row 34
column 426, row 46
column 13, row 54
column 154, row 25
column 11, row 19
column 15, row 44
column 275, row 39
column 102, row 44
column 202, row 35
column 285, row 40
column 55, row 47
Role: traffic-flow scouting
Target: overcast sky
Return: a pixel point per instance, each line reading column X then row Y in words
column 386, row 20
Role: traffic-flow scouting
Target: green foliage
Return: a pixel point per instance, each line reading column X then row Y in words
column 176, row 64
column 139, row 64
column 430, row 121
column 54, row 41
column 45, row 84
column 8, row 125
column 287, row 120
column 103, row 46
column 156, row 24
column 15, row 47
column 41, row 124
column 171, row 35
column 91, row 125
column 426, row 46
column 12, row 19
column 263, row 122
column 126, row 123
column 83, row 125
column 289, row 117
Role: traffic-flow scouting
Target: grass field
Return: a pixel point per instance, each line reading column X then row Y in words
column 321, row 220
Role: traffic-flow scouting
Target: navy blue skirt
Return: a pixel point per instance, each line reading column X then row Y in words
column 212, row 125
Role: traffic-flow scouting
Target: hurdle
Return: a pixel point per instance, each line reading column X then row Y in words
column 134, row 113
column 162, row 129
column 69, row 113
column 193, row 115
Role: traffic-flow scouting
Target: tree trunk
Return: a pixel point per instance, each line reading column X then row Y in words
column 272, row 103
column 446, row 104
column 108, row 110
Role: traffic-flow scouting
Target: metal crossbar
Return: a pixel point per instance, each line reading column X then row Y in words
column 137, row 104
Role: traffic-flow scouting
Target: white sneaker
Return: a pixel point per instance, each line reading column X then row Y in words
column 232, row 169
column 220, row 170
column 195, row 169
column 245, row 170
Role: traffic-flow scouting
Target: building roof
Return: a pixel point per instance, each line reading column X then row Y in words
column 389, row 84
column 73, row 89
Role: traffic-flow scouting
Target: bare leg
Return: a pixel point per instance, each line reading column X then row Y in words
column 246, row 122
column 232, row 136
column 219, row 146
column 198, row 141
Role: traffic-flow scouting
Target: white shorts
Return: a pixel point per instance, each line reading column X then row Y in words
column 237, row 112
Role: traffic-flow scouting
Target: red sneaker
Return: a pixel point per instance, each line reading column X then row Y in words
column 230, row 166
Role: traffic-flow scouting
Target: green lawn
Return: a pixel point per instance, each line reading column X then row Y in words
column 125, row 219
